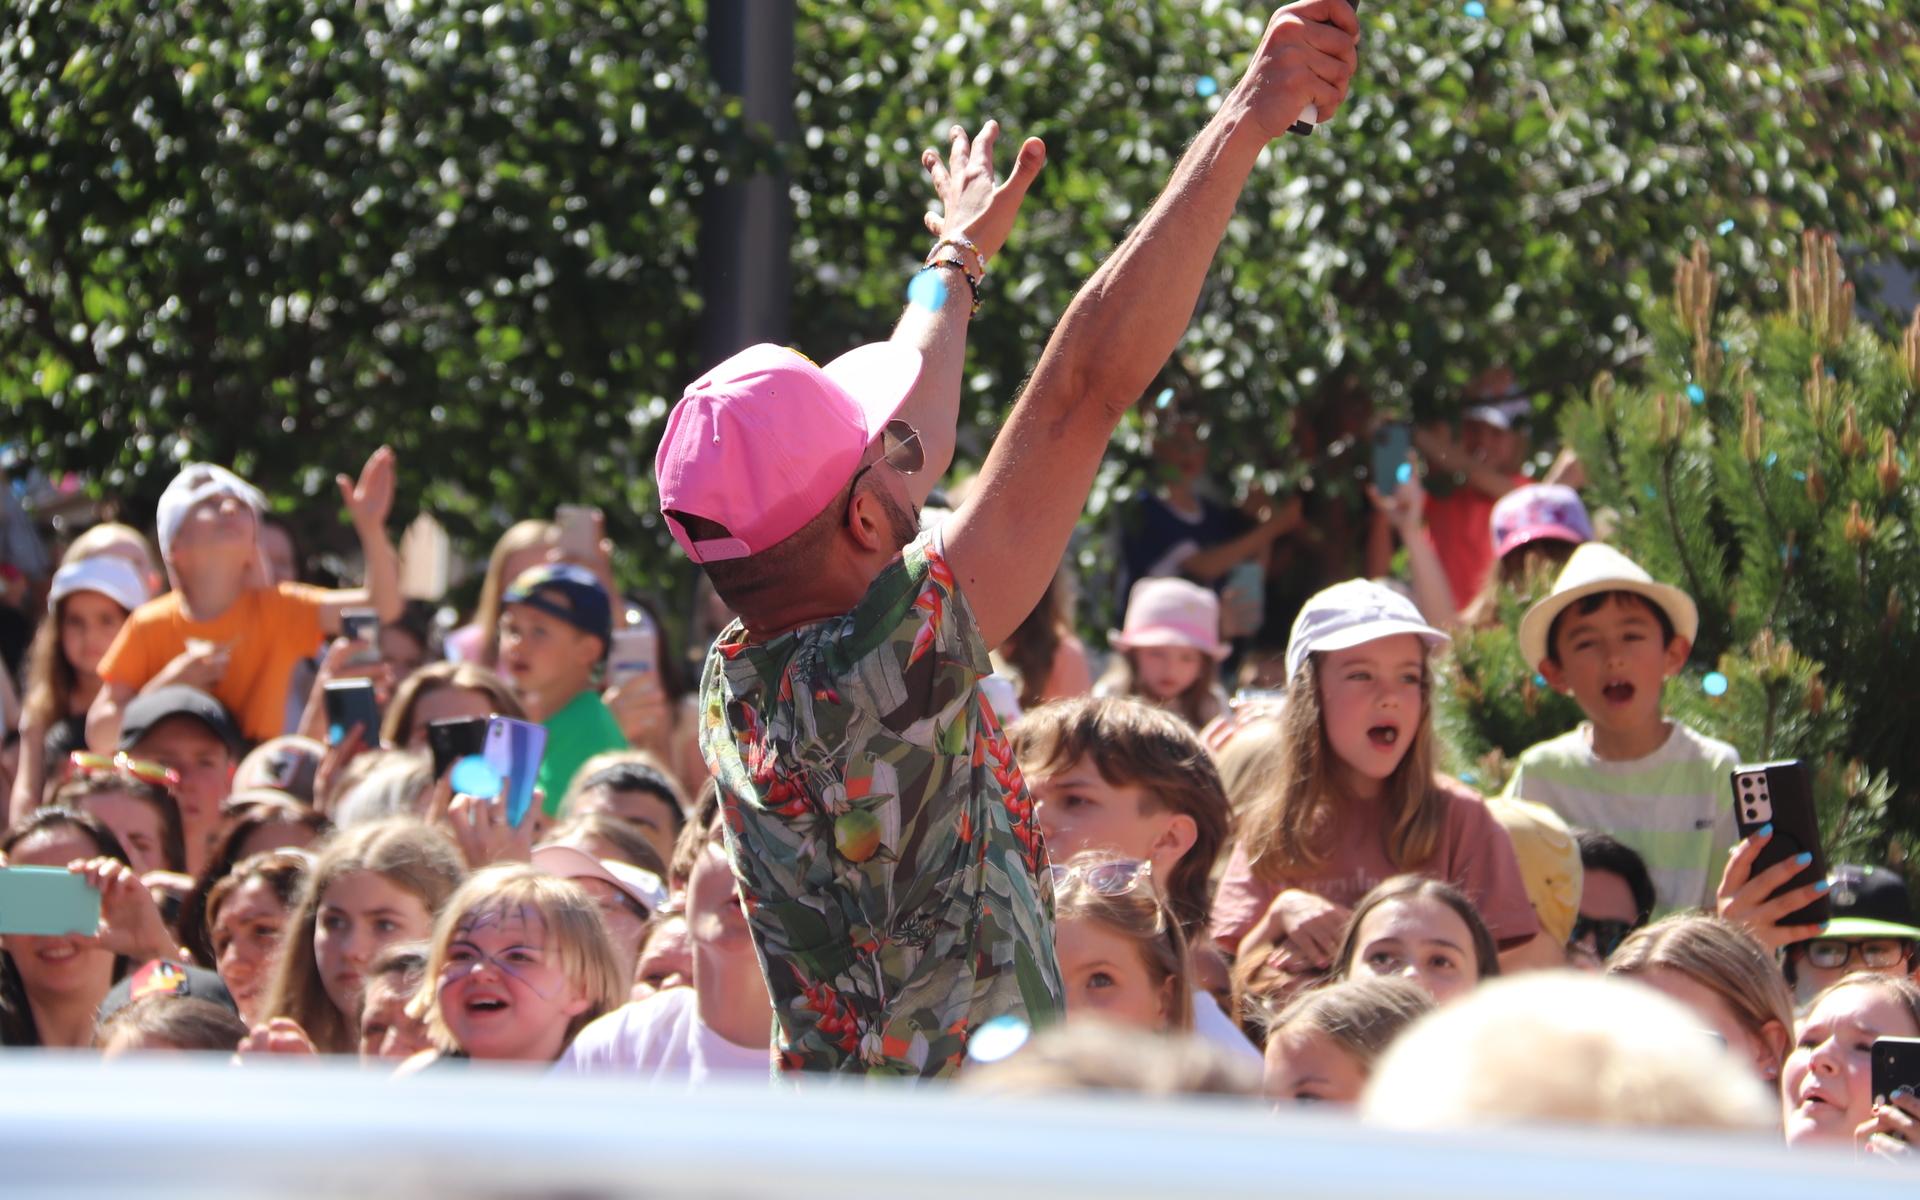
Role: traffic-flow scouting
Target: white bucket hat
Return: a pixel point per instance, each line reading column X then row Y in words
column 1595, row 568
column 1165, row 611
column 1350, row 614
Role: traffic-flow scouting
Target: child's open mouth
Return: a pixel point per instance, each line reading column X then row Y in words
column 484, row 1006
column 1383, row 737
column 1618, row 692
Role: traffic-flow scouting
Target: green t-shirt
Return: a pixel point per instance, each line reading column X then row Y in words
column 576, row 733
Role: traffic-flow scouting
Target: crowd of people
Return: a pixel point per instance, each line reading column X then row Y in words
column 898, row 827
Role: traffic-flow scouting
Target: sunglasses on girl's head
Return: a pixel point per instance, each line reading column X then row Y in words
column 86, row 764
column 1832, row 953
column 1107, row 878
column 1606, row 935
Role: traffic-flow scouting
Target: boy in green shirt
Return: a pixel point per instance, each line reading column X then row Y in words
column 555, row 625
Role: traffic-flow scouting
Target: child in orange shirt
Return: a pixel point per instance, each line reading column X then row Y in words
column 220, row 629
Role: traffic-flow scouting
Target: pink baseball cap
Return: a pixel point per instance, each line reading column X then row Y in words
column 1172, row 612
column 761, row 444
column 1538, row 511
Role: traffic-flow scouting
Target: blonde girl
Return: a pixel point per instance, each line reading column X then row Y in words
column 1725, row 976
column 1349, row 798
column 520, row 963
column 1122, row 956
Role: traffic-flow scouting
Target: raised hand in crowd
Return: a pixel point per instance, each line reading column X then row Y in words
column 1748, row 900
column 130, row 922
column 480, row 828
column 280, row 1036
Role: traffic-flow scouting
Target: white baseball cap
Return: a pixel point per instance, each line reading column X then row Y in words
column 107, row 574
column 1350, row 614
column 570, row 862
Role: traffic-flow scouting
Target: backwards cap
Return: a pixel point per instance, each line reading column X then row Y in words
column 194, row 483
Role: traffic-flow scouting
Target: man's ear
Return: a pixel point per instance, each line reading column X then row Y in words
column 1678, row 648
column 1555, row 676
column 588, row 650
column 867, row 522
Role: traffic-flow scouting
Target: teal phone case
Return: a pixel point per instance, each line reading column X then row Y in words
column 47, row 902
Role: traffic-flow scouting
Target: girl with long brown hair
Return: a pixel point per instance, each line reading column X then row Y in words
column 1350, row 797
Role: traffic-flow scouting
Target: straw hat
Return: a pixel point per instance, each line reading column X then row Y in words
column 1595, row 568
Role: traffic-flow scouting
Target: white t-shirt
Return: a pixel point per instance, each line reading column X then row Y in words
column 663, row 1040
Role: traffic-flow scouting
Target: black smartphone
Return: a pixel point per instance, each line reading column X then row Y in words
column 454, row 739
column 1896, row 1064
column 1780, row 794
column 352, row 702
column 1311, row 116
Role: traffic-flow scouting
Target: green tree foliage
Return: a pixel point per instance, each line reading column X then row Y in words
column 277, row 235
column 1765, row 463
column 468, row 226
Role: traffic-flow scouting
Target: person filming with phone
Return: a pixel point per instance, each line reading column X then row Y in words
column 886, row 846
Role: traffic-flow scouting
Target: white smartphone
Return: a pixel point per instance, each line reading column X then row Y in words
column 633, row 652
column 579, row 530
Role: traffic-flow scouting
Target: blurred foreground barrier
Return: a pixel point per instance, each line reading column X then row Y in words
column 158, row 1129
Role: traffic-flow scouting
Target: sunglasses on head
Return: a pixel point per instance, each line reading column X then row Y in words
column 86, row 764
column 1115, row 878
column 1606, row 935
column 1832, row 953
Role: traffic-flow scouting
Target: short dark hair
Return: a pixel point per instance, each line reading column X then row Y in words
column 1486, row 953
column 1586, row 606
column 1603, row 852
column 183, row 1022
column 631, row 775
column 741, row 582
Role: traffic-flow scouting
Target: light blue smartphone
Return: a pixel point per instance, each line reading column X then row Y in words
column 514, row 749
column 47, row 902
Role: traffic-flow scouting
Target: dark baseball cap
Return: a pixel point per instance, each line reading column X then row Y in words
column 163, row 978
column 178, row 700
column 571, row 593
column 1870, row 902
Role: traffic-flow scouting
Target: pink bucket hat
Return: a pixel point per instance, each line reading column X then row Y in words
column 1172, row 612
column 1537, row 512
column 762, row 443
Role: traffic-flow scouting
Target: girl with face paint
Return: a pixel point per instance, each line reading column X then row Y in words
column 520, row 962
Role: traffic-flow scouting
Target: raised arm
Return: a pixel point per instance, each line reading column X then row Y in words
column 974, row 208
column 1004, row 544
column 369, row 500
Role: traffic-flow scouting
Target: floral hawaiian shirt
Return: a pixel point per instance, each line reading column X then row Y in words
column 894, row 875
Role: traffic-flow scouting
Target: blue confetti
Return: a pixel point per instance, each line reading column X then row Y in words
column 1725, row 227
column 1205, row 86
column 1474, row 9
column 1772, row 458
column 1713, row 683
column 997, row 1038
column 1651, row 494
column 1403, row 473
column 474, row 776
column 1164, row 398
column 1539, row 680
column 1800, row 475
column 1469, row 778
column 1696, row 394
column 927, row 291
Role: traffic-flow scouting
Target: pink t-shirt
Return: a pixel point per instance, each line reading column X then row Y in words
column 1474, row 855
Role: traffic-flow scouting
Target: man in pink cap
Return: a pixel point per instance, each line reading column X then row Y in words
column 885, row 846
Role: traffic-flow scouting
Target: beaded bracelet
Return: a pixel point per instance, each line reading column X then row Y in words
column 973, row 289
column 972, row 261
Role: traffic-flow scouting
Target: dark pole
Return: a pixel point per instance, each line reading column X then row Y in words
column 746, row 225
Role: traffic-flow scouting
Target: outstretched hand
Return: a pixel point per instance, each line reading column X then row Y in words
column 1307, row 56
column 971, row 204
column 1749, row 900
column 370, row 498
